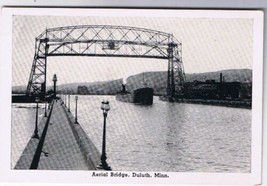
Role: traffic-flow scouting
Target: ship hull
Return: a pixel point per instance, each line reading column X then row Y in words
column 127, row 97
column 142, row 96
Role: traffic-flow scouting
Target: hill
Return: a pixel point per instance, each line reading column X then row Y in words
column 239, row 75
column 156, row 80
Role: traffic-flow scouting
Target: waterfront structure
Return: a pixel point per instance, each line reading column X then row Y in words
column 210, row 89
column 82, row 90
column 64, row 149
column 106, row 41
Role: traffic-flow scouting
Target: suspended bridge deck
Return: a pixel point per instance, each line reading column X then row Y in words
column 62, row 145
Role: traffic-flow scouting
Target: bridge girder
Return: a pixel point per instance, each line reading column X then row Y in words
column 106, row 41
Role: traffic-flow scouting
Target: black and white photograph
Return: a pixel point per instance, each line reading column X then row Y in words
column 136, row 94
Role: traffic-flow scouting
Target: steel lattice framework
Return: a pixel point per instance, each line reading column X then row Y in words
column 106, row 41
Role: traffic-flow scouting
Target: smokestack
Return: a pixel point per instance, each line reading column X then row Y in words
column 123, row 88
column 221, row 78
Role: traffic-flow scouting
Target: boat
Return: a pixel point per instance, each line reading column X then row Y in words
column 124, row 95
column 142, row 95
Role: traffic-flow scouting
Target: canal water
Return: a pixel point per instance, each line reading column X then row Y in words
column 166, row 136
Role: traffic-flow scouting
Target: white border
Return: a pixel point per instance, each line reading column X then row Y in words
column 7, row 175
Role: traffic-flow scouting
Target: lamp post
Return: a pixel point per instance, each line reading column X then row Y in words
column 35, row 135
column 69, row 104
column 62, row 100
column 55, row 85
column 45, row 115
column 76, row 118
column 49, row 105
column 103, row 165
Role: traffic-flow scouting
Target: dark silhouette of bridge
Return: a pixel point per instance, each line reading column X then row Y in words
column 106, row 41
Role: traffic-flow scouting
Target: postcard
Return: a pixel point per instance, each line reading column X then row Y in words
column 131, row 96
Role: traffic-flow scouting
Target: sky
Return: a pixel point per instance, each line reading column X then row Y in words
column 208, row 44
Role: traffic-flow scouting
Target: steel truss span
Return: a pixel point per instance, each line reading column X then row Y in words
column 106, row 41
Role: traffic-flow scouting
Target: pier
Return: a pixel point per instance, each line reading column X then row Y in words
column 62, row 144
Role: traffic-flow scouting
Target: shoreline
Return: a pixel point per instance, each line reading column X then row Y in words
column 227, row 103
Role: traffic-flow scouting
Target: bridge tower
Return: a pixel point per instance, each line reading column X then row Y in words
column 170, row 73
column 37, row 80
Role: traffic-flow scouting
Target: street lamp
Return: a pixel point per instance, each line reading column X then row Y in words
column 55, row 85
column 45, row 115
column 69, row 104
column 76, row 119
column 35, row 135
column 49, row 105
column 103, row 165
column 62, row 100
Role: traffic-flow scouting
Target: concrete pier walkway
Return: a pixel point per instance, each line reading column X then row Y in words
column 63, row 145
column 60, row 143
